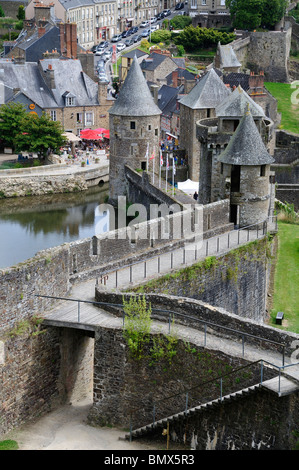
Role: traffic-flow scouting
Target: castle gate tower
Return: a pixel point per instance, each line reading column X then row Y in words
column 245, row 165
column 134, row 123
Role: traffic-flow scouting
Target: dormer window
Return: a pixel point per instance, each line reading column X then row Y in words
column 70, row 99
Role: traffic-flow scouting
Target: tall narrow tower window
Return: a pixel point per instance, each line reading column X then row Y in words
column 132, row 125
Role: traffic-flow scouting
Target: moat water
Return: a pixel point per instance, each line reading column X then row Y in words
column 31, row 224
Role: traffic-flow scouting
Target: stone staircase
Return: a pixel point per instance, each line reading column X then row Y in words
column 286, row 385
column 185, row 414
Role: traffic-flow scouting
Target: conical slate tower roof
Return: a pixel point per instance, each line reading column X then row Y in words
column 236, row 104
column 135, row 98
column 246, row 146
column 208, row 93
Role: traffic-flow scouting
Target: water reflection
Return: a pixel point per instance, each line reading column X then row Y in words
column 31, row 224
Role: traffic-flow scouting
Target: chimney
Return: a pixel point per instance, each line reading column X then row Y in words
column 68, row 40
column 50, row 77
column 102, row 93
column 74, row 40
column 175, row 75
column 189, row 84
column 41, row 31
column 42, row 12
column 154, row 92
column 256, row 82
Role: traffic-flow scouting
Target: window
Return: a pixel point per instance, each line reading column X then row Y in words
column 263, row 170
column 89, row 119
column 53, row 115
column 132, row 125
column 235, row 178
column 70, row 101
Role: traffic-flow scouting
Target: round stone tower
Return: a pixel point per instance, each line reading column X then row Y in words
column 245, row 171
column 134, row 124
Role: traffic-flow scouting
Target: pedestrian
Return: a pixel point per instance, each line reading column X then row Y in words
column 195, row 196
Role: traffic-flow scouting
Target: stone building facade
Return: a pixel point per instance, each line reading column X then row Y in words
column 60, row 88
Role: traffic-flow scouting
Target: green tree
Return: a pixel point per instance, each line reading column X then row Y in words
column 193, row 39
column 11, row 116
column 251, row 14
column 137, row 325
column 272, row 12
column 180, row 21
column 21, row 12
column 39, row 134
column 246, row 14
column 2, row 14
column 161, row 35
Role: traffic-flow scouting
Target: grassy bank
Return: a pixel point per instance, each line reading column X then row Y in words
column 286, row 293
column 289, row 111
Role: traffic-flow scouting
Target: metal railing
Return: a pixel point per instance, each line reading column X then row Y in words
column 193, row 250
column 220, row 396
column 171, row 315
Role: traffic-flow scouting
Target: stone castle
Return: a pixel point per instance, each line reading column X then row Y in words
column 226, row 135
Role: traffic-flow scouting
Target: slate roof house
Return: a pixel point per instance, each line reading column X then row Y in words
column 158, row 65
column 58, row 87
column 168, row 102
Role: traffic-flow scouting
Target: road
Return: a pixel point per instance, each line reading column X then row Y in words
column 108, row 64
column 66, row 428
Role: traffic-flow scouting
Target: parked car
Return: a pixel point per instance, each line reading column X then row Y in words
column 103, row 44
column 134, row 29
column 179, row 6
column 129, row 42
column 145, row 33
column 144, row 24
column 160, row 16
column 100, row 64
column 120, row 46
column 116, row 38
column 139, row 37
column 167, row 12
column 125, row 34
column 154, row 27
column 153, row 19
column 107, row 55
column 103, row 78
column 136, row 38
column 100, row 50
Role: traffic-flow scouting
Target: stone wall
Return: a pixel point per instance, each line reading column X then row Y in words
column 236, row 281
column 49, row 179
column 29, row 376
column 286, row 167
column 265, row 422
column 267, row 52
column 126, row 391
column 42, row 368
column 226, row 324
column 126, row 387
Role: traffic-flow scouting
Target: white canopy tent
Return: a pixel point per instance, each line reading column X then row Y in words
column 188, row 186
column 71, row 137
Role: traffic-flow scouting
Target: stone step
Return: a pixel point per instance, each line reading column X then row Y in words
column 182, row 414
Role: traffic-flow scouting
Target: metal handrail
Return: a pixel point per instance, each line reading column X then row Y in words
column 213, row 380
column 171, row 314
column 264, row 223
